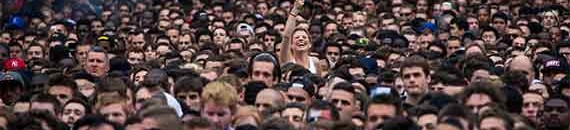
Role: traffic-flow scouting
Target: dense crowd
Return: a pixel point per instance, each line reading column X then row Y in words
column 284, row 64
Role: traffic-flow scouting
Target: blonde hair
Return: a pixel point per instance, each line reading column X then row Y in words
column 244, row 112
column 220, row 93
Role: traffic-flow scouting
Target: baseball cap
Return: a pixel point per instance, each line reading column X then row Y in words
column 554, row 65
column 12, row 76
column 305, row 84
column 14, row 64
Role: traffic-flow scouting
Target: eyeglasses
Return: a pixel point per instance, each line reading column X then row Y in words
column 296, row 98
column 406, row 14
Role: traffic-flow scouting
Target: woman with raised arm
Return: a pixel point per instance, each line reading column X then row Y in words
column 297, row 43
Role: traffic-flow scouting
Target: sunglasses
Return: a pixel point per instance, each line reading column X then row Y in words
column 296, row 98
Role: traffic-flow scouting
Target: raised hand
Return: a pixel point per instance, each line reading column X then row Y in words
column 298, row 6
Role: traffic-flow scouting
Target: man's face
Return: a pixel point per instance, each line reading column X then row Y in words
column 62, row 93
column 72, row 112
column 407, row 14
column 114, row 113
column 473, row 23
column 492, row 123
column 214, row 65
column 228, row 16
column 455, row 30
column 556, row 114
column 218, row 114
column 425, row 40
column 532, row 105
column 345, row 103
column 453, row 46
column 16, row 52
column 378, row 113
column 427, row 121
column 523, row 64
column 97, row 63
column 173, row 35
column 299, row 95
column 82, row 53
column 333, row 54
column 263, row 71
column 489, row 37
column 477, row 101
column 5, row 38
column 184, row 42
column 359, row 20
column 192, row 99
column 269, row 40
column 294, row 116
column 415, row 80
column 135, row 58
column 96, row 27
column 138, row 41
column 267, row 99
column 519, row 42
column 35, row 52
column 330, row 29
column 500, row 24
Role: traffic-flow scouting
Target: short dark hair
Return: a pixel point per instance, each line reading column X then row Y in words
column 62, row 80
column 416, row 61
column 484, row 87
column 385, row 99
column 79, row 101
column 460, row 22
column 501, row 114
column 188, row 83
column 266, row 57
column 344, row 86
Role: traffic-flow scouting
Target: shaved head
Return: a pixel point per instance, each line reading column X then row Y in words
column 522, row 63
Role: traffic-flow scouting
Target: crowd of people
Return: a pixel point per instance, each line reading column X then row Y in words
column 284, row 64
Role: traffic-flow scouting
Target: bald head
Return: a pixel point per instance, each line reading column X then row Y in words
column 269, row 98
column 522, row 63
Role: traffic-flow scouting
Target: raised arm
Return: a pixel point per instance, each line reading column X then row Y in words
column 285, row 54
